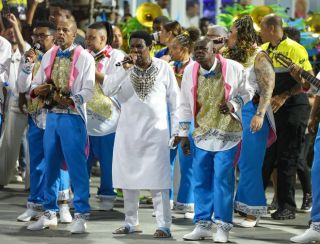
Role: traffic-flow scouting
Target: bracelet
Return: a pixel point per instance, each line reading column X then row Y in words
column 259, row 114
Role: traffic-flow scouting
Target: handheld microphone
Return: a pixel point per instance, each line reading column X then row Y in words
column 35, row 47
column 125, row 61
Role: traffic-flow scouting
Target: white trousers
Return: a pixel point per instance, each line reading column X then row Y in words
column 161, row 205
column 14, row 125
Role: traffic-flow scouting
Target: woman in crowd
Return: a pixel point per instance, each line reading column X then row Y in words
column 257, row 119
column 168, row 33
column 180, row 50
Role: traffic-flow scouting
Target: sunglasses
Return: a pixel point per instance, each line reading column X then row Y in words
column 219, row 40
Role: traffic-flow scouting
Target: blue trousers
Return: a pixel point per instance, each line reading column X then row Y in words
column 173, row 156
column 1, row 122
column 101, row 148
column 65, row 138
column 214, row 181
column 315, row 172
column 250, row 197
column 185, row 192
column 37, row 165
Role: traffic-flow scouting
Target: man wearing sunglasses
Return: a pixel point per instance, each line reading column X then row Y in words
column 218, row 35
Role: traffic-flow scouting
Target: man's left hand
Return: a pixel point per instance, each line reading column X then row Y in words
column 64, row 101
column 226, row 108
column 22, row 102
column 256, row 123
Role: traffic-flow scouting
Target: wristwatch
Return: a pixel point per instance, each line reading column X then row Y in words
column 259, row 114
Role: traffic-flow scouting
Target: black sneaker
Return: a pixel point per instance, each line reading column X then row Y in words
column 282, row 214
column 306, row 203
column 273, row 206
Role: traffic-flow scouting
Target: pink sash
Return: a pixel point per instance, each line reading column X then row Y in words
column 195, row 71
column 73, row 72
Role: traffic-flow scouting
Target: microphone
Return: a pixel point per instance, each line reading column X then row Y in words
column 35, row 47
column 125, row 61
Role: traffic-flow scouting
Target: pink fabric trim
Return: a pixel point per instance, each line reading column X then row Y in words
column 99, row 67
column 227, row 87
column 64, row 166
column 48, row 69
column 74, row 71
column 272, row 137
column 109, row 49
column 87, row 149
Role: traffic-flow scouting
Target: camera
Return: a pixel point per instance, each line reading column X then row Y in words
column 156, row 37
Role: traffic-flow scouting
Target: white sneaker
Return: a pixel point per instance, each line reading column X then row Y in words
column 28, row 215
column 184, row 208
column 249, row 224
column 309, row 235
column 47, row 220
column 221, row 236
column 79, row 224
column 64, row 213
column 171, row 204
column 189, row 215
column 16, row 179
column 202, row 231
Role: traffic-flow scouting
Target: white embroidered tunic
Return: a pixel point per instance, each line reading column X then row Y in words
column 141, row 158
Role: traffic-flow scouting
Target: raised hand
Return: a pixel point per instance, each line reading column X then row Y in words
column 31, row 55
column 12, row 19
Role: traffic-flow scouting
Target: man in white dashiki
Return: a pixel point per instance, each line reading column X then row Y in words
column 146, row 88
column 65, row 80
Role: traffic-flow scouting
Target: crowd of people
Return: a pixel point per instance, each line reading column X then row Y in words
column 213, row 100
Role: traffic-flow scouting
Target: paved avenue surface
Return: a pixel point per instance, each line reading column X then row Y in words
column 101, row 224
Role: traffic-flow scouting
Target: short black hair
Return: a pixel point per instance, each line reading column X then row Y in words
column 142, row 35
column 292, row 33
column 161, row 20
column 273, row 20
column 104, row 26
column 44, row 23
column 8, row 25
column 63, row 4
column 191, row 4
column 204, row 19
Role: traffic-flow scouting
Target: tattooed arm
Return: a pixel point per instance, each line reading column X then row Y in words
column 266, row 81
